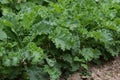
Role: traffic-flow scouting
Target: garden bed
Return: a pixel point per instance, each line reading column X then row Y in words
column 107, row 71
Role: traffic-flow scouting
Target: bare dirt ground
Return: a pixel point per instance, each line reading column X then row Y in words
column 107, row 71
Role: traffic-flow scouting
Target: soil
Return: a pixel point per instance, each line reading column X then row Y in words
column 107, row 71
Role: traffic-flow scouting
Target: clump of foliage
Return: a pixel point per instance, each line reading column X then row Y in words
column 41, row 38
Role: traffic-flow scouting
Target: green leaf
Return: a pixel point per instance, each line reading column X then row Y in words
column 29, row 17
column 3, row 35
column 53, row 72
column 75, row 66
column 102, row 35
column 15, row 61
column 36, row 53
column 4, row 1
column 7, row 62
column 84, row 66
column 89, row 53
column 42, row 27
column 79, row 60
column 6, row 11
column 68, row 58
column 51, row 62
column 62, row 38
column 36, row 73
